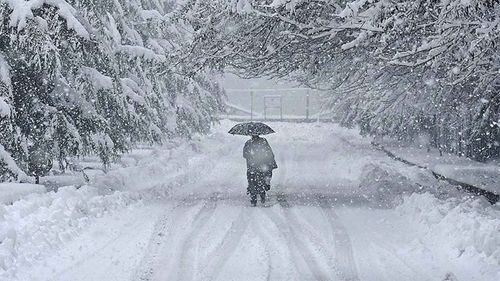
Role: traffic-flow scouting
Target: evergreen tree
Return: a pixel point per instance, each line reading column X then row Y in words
column 86, row 77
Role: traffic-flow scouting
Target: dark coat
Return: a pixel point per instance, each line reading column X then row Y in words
column 259, row 155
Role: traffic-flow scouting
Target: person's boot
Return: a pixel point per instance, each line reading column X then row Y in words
column 263, row 197
column 253, row 200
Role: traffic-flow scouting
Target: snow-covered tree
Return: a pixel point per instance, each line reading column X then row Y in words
column 396, row 68
column 82, row 77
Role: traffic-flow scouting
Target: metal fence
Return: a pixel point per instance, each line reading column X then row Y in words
column 275, row 104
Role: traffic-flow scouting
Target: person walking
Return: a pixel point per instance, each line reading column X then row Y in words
column 260, row 166
column 259, row 157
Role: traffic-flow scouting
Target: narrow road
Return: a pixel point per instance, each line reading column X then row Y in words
column 296, row 235
column 318, row 224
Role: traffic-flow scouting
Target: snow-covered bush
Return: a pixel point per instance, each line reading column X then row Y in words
column 96, row 77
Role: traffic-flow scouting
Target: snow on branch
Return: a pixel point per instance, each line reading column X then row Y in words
column 11, row 165
column 132, row 90
column 23, row 10
column 5, row 82
column 356, row 42
column 241, row 6
column 138, row 51
column 151, row 14
column 352, row 9
column 5, row 72
column 97, row 79
column 4, row 108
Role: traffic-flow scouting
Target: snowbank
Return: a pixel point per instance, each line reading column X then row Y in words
column 10, row 192
column 169, row 169
column 385, row 186
column 470, row 227
column 40, row 223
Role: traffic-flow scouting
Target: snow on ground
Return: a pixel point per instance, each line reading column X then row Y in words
column 426, row 239
column 10, row 192
column 108, row 249
column 338, row 210
column 39, row 224
column 470, row 228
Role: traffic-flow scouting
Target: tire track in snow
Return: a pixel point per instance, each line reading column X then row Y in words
column 279, row 261
column 341, row 259
column 185, row 271
column 226, row 248
column 146, row 268
column 298, row 248
column 342, row 262
column 157, row 243
column 344, row 257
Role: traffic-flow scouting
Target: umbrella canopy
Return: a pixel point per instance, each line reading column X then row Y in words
column 251, row 129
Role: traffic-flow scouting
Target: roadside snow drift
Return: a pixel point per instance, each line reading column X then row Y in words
column 40, row 223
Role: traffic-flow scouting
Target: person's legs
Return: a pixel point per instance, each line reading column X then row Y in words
column 250, row 179
column 252, row 186
column 253, row 199
column 263, row 197
column 260, row 178
column 258, row 183
column 268, row 177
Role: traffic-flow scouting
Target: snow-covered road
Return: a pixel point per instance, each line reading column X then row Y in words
column 325, row 219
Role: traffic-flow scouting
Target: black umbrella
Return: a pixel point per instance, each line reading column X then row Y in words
column 251, row 129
